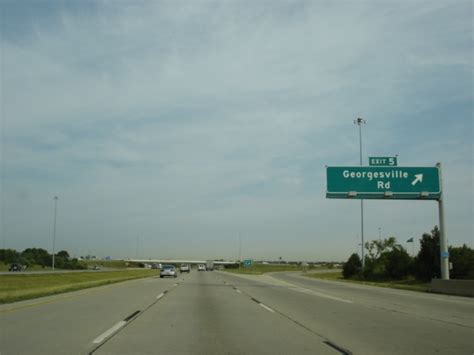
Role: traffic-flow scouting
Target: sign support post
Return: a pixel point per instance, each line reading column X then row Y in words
column 444, row 253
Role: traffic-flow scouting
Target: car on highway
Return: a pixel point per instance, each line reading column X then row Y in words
column 96, row 267
column 15, row 267
column 168, row 270
column 201, row 267
column 185, row 268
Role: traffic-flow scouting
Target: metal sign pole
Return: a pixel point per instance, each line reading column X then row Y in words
column 54, row 228
column 359, row 121
column 442, row 233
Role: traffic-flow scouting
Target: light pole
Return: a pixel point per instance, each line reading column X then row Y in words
column 240, row 250
column 138, row 242
column 360, row 121
column 54, row 226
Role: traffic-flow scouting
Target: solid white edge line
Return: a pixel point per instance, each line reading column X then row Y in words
column 160, row 295
column 266, row 307
column 109, row 332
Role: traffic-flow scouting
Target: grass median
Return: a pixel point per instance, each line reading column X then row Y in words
column 408, row 284
column 260, row 269
column 26, row 286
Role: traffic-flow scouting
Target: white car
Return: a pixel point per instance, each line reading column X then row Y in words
column 185, row 268
column 201, row 267
column 168, row 270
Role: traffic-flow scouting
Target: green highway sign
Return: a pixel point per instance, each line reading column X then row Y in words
column 248, row 263
column 370, row 182
column 383, row 161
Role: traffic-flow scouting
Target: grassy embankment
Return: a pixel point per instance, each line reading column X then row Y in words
column 116, row 264
column 409, row 284
column 26, row 286
column 4, row 267
column 259, row 269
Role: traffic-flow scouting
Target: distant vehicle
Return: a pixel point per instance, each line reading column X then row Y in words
column 155, row 266
column 210, row 265
column 185, row 268
column 15, row 267
column 201, row 267
column 168, row 270
column 96, row 267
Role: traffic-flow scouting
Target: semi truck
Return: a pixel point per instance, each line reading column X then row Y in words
column 210, row 265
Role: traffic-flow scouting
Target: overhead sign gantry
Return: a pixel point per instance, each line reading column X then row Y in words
column 391, row 183
column 370, row 182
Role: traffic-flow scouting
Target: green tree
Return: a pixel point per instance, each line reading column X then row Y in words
column 37, row 256
column 397, row 263
column 427, row 262
column 375, row 267
column 9, row 256
column 74, row 264
column 375, row 248
column 463, row 262
column 352, row 267
column 63, row 254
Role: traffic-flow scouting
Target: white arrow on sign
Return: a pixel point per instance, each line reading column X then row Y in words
column 418, row 178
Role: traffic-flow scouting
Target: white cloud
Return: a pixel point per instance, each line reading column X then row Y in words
column 199, row 120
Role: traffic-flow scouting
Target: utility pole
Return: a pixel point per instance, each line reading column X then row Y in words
column 360, row 121
column 54, row 226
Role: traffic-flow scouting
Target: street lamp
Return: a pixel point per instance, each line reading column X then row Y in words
column 360, row 121
column 54, row 226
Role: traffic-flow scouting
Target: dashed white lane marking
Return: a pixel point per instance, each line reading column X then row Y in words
column 109, row 332
column 175, row 285
column 238, row 291
column 319, row 294
column 160, row 295
column 267, row 308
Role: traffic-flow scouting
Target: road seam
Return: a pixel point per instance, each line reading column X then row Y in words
column 266, row 307
column 109, row 332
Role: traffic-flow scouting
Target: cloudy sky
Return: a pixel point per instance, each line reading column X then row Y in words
column 178, row 128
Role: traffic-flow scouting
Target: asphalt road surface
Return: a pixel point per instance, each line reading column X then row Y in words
column 222, row 313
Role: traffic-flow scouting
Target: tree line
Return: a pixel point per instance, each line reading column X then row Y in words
column 37, row 256
column 387, row 260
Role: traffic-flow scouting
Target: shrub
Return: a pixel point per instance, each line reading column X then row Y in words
column 352, row 267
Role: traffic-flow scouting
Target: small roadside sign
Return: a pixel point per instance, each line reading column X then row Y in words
column 248, row 263
column 383, row 161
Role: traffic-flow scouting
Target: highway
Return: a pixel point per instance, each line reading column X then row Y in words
column 223, row 313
